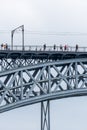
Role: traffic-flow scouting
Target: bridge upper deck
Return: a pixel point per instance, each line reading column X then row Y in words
column 39, row 52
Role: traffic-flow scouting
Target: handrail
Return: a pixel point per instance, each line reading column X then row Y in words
column 42, row 48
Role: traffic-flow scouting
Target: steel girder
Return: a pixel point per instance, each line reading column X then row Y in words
column 42, row 82
column 8, row 64
column 20, row 86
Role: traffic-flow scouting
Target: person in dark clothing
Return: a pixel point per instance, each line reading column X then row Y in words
column 6, row 46
column 1, row 46
column 61, row 48
column 76, row 47
column 44, row 47
column 65, row 47
column 54, row 47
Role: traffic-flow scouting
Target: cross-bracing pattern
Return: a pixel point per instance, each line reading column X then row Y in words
column 41, row 83
column 31, row 84
column 45, row 115
column 8, row 64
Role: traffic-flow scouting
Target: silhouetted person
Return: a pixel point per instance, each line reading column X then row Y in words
column 61, row 48
column 44, row 47
column 54, row 47
column 76, row 47
column 6, row 46
column 1, row 46
column 65, row 47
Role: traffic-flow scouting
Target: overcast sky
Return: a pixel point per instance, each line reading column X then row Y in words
column 44, row 16
column 48, row 16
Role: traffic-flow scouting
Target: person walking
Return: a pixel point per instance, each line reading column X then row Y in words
column 61, row 48
column 76, row 47
column 44, row 47
column 65, row 47
column 54, row 47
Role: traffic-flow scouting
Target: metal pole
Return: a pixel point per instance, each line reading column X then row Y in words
column 41, row 115
column 22, row 37
column 12, row 40
column 12, row 34
column 45, row 115
column 48, row 115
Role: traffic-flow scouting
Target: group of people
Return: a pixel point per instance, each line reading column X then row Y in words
column 66, row 47
column 62, row 48
column 4, row 46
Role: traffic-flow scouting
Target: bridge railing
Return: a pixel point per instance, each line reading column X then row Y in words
column 42, row 48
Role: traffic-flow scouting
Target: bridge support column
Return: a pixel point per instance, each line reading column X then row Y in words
column 45, row 115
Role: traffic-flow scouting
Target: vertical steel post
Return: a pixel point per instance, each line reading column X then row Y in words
column 12, row 39
column 45, row 107
column 49, row 90
column 22, row 37
column 48, row 115
column 76, row 74
column 45, row 115
column 41, row 115
column 21, row 79
column 68, row 77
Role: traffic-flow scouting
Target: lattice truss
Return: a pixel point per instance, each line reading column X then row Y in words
column 7, row 64
column 32, row 82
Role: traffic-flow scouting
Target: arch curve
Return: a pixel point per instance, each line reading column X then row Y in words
column 51, row 80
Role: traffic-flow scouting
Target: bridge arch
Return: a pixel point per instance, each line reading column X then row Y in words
column 42, row 82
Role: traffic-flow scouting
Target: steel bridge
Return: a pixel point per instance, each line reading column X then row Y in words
column 32, row 76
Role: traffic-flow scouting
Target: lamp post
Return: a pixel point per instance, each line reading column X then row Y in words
column 12, row 36
column 22, row 37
